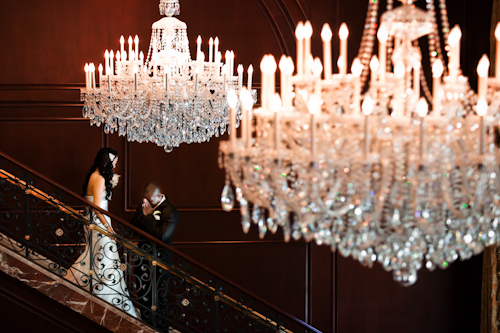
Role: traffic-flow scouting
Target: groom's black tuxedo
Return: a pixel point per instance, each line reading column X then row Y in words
column 161, row 224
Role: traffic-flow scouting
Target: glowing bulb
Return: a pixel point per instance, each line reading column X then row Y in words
column 454, row 36
column 343, row 32
column 399, row 70
column 317, row 67
column 290, row 67
column 216, row 41
column 374, row 64
column 340, row 62
column 250, row 69
column 86, row 68
column 357, row 67
column 198, row 40
column 286, row 65
column 272, row 64
column 276, row 102
column 483, row 66
column 264, row 67
column 437, row 68
column 382, row 34
column 141, row 56
column 314, row 104
column 326, row 33
column 368, row 105
column 130, row 41
column 299, row 31
column 497, row 32
column 232, row 98
column 100, row 68
column 422, row 107
column 118, row 56
column 211, row 41
column 481, row 107
column 282, row 62
column 246, row 99
column 136, row 39
column 106, row 54
column 308, row 30
column 122, row 40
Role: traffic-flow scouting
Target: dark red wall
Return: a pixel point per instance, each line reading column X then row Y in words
column 44, row 46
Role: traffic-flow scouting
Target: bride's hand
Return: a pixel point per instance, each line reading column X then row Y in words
column 111, row 232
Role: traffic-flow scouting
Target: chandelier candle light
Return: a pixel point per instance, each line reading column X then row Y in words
column 166, row 97
column 373, row 173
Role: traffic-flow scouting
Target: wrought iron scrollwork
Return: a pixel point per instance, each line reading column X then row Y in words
column 56, row 228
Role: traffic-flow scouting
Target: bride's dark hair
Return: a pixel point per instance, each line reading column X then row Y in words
column 104, row 163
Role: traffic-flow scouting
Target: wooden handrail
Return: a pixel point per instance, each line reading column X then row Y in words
column 67, row 209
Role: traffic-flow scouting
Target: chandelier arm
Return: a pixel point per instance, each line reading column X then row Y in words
column 127, row 107
column 336, row 212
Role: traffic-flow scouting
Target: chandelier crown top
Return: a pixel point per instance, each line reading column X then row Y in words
column 169, row 7
column 407, row 21
column 169, row 23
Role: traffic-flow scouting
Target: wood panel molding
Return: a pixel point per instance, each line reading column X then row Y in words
column 282, row 16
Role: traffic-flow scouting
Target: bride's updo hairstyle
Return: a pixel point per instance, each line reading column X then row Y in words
column 104, row 162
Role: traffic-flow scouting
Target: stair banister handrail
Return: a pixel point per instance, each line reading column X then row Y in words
column 157, row 241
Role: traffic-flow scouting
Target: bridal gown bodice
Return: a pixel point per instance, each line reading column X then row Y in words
column 104, row 205
column 101, row 255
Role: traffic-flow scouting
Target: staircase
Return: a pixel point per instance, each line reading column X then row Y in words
column 42, row 233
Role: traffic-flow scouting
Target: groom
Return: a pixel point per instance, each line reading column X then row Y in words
column 158, row 217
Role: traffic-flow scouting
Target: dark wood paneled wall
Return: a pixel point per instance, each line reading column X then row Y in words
column 45, row 44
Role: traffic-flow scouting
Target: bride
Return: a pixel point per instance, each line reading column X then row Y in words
column 108, row 280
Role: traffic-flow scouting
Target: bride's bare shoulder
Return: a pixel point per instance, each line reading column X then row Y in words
column 96, row 180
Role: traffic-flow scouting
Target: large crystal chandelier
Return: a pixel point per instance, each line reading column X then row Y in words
column 166, row 98
column 371, row 172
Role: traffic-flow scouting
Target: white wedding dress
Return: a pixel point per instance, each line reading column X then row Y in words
column 108, row 281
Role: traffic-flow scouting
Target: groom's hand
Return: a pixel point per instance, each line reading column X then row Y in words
column 146, row 207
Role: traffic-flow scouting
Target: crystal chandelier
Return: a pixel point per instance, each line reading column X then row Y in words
column 371, row 172
column 167, row 98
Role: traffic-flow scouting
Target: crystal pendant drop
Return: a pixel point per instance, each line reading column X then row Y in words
column 245, row 215
column 262, row 228
column 239, row 194
column 286, row 234
column 405, row 277
column 272, row 225
column 255, row 214
column 227, row 198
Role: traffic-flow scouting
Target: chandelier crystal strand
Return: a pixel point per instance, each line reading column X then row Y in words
column 166, row 98
column 376, row 176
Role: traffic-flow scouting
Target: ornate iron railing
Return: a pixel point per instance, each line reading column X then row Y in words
column 53, row 227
